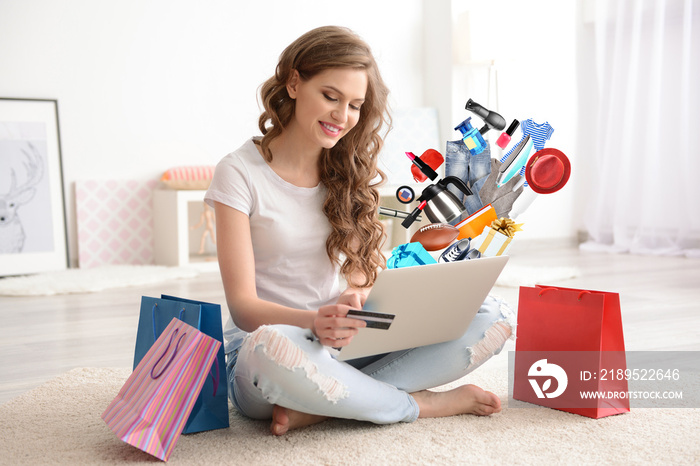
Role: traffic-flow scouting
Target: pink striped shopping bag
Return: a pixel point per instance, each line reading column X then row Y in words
column 152, row 407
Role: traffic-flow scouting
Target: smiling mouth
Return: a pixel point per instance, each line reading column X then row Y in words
column 330, row 129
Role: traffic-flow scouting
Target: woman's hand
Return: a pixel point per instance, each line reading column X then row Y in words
column 333, row 328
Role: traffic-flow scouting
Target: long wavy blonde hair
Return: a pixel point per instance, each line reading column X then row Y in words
column 349, row 170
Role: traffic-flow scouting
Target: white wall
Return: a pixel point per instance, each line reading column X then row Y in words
column 146, row 85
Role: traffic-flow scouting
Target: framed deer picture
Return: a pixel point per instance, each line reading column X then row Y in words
column 32, row 208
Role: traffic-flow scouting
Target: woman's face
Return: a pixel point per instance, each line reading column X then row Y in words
column 328, row 104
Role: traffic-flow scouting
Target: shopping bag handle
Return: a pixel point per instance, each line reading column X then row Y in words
column 153, row 317
column 543, row 289
column 177, row 347
column 215, row 377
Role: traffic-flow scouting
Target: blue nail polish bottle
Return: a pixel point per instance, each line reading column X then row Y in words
column 472, row 137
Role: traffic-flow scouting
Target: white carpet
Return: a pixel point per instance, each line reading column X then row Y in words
column 118, row 276
column 515, row 276
column 91, row 280
column 59, row 423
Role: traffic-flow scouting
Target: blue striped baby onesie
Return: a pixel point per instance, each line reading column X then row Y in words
column 539, row 133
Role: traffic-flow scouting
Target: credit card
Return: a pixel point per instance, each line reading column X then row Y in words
column 374, row 319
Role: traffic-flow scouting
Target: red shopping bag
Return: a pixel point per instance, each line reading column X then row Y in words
column 152, row 407
column 570, row 351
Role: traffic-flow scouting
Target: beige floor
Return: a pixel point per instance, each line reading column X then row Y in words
column 41, row 337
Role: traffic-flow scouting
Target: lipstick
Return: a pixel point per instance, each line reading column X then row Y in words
column 408, row 221
column 422, row 166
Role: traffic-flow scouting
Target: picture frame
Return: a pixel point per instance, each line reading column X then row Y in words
column 33, row 235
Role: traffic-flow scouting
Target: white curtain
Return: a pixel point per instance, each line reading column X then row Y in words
column 644, row 188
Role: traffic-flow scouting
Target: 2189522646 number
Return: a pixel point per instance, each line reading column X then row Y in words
column 640, row 374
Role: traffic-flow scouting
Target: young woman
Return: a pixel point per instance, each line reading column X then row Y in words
column 295, row 210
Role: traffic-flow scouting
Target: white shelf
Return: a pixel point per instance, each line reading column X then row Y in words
column 175, row 243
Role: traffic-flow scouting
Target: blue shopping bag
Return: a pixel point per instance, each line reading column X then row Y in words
column 210, row 411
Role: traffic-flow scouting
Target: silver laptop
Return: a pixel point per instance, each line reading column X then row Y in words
column 431, row 304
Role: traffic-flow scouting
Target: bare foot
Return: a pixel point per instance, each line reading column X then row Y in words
column 465, row 399
column 284, row 419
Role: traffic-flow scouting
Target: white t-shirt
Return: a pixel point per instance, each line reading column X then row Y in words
column 288, row 230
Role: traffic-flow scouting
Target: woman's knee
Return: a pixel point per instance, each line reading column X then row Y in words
column 287, row 356
column 276, row 343
column 499, row 327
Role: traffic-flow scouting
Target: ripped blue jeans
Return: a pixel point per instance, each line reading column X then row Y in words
column 472, row 169
column 287, row 366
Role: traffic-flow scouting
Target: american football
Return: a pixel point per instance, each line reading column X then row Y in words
column 435, row 236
